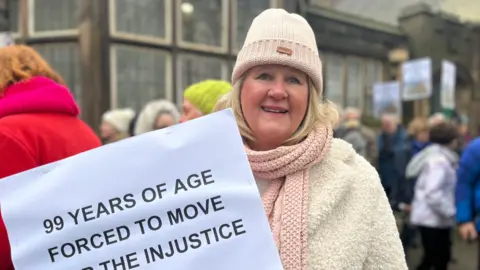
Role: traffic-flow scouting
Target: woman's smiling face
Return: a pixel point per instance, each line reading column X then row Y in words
column 274, row 101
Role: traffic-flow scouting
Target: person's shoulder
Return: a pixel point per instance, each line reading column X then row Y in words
column 343, row 152
column 470, row 156
column 15, row 120
column 344, row 164
column 368, row 131
column 36, row 121
column 473, row 145
column 16, row 125
column 30, row 127
column 343, row 179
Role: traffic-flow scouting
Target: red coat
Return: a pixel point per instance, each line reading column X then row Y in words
column 38, row 125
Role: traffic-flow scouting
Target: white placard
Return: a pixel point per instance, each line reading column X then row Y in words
column 387, row 99
column 417, row 79
column 447, row 91
column 128, row 203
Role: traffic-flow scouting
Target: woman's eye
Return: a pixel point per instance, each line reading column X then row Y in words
column 264, row 76
column 294, row 80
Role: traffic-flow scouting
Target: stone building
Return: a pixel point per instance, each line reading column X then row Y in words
column 118, row 53
column 122, row 53
column 355, row 51
column 441, row 30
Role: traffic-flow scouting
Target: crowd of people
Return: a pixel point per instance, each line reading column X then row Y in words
column 199, row 100
column 429, row 171
column 327, row 206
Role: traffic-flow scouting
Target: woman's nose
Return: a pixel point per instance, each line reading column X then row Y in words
column 278, row 90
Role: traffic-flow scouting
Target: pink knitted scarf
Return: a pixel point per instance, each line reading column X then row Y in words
column 286, row 198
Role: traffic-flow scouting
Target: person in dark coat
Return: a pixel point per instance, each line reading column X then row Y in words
column 394, row 153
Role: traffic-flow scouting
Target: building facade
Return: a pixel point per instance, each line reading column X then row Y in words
column 443, row 36
column 123, row 53
column 441, row 30
column 355, row 52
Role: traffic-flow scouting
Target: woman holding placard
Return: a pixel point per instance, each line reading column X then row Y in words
column 325, row 204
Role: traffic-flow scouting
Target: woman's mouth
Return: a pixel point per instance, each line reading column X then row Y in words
column 272, row 109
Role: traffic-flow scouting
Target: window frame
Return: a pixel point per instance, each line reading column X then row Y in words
column 233, row 25
column 343, row 76
column 113, row 72
column 381, row 66
column 361, row 82
column 76, row 46
column 167, row 40
column 178, row 78
column 378, row 67
column 202, row 47
column 50, row 33
column 19, row 33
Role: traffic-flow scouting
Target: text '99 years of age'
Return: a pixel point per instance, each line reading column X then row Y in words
column 97, row 241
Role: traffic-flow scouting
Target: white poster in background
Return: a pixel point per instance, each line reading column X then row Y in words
column 417, row 79
column 181, row 198
column 6, row 39
column 448, row 83
column 387, row 99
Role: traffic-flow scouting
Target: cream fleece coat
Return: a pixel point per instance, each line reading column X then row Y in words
column 350, row 222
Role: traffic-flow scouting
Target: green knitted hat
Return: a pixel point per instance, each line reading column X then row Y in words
column 204, row 95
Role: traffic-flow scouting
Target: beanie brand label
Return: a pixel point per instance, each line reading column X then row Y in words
column 284, row 50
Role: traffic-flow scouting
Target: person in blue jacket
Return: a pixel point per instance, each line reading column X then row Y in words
column 467, row 194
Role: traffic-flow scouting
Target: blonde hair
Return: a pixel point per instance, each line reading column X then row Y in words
column 318, row 112
column 417, row 126
column 221, row 103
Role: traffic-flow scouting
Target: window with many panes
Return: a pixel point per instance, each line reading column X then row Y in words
column 195, row 68
column 349, row 80
column 141, row 19
column 373, row 74
column 64, row 59
column 354, row 91
column 245, row 11
column 139, row 75
column 335, row 72
column 14, row 16
column 203, row 24
column 53, row 16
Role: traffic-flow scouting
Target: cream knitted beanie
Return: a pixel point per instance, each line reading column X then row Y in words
column 119, row 118
column 279, row 37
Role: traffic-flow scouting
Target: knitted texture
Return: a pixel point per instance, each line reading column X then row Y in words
column 286, row 199
column 119, row 118
column 204, row 95
column 282, row 38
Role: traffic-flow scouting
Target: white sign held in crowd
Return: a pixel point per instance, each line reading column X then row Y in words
column 447, row 91
column 387, row 99
column 179, row 198
column 417, row 79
